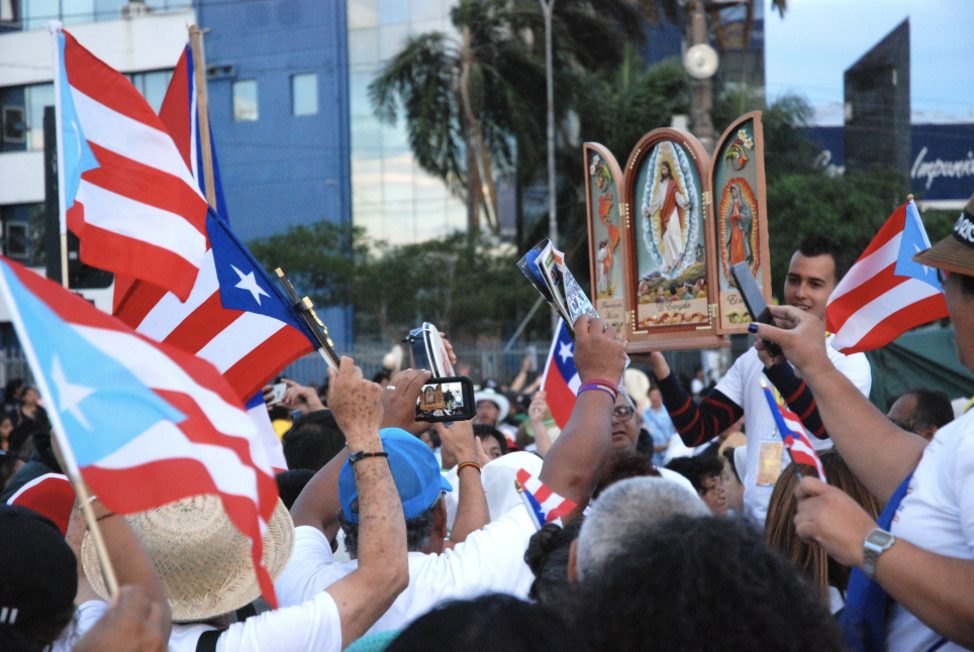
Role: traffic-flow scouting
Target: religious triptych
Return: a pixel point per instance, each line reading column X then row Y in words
column 665, row 230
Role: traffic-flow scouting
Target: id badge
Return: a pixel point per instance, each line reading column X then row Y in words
column 769, row 463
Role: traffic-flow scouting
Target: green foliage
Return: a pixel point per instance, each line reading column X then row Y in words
column 468, row 287
column 849, row 208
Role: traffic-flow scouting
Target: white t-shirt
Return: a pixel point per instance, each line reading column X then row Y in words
column 937, row 514
column 85, row 616
column 312, row 625
column 488, row 560
column 742, row 384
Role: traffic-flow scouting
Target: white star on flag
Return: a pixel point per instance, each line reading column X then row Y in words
column 916, row 250
column 248, row 282
column 565, row 351
column 69, row 395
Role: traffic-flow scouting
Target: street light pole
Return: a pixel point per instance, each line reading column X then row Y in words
column 547, row 7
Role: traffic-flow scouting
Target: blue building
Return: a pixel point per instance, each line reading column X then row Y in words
column 278, row 100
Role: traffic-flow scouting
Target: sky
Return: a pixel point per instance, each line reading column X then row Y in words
column 808, row 50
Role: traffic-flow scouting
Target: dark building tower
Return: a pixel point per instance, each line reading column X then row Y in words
column 877, row 105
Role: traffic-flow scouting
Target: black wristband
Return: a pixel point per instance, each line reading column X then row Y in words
column 361, row 455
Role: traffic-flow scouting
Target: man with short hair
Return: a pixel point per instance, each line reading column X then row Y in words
column 813, row 273
column 490, row 559
column 696, row 582
column 922, row 411
column 922, row 555
column 626, row 512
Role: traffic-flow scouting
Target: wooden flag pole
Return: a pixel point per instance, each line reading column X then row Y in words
column 202, row 115
column 84, row 502
column 107, row 570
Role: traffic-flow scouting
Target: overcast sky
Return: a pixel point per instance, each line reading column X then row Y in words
column 808, row 50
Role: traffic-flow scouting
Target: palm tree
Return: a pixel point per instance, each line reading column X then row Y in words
column 474, row 104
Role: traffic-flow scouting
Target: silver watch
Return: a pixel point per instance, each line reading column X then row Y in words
column 877, row 542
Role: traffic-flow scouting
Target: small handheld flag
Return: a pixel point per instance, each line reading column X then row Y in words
column 886, row 293
column 561, row 381
column 543, row 504
column 792, row 432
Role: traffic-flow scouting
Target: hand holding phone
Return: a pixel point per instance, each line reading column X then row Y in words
column 754, row 302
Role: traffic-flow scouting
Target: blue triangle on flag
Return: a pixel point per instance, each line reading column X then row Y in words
column 914, row 240
column 101, row 404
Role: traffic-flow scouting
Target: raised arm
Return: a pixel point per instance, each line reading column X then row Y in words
column 318, row 503
column 697, row 424
column 878, row 452
column 382, row 574
column 934, row 588
column 574, row 460
column 472, row 511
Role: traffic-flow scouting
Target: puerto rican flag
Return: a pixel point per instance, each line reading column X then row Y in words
column 886, row 293
column 792, row 432
column 142, row 423
column 236, row 316
column 561, row 381
column 543, row 504
column 126, row 192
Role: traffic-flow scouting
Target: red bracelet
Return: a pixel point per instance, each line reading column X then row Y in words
column 461, row 465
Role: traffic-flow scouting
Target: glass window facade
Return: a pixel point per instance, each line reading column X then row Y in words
column 304, row 94
column 392, row 198
column 245, row 100
column 34, row 14
column 35, row 97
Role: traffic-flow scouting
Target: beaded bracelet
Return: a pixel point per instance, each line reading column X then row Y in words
column 461, row 465
column 604, row 388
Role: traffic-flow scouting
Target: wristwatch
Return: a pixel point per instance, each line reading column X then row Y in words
column 877, row 542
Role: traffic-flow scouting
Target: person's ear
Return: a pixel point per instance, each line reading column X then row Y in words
column 573, row 562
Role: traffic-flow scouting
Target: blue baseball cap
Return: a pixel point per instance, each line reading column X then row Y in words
column 414, row 469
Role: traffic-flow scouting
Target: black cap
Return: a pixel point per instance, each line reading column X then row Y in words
column 38, row 570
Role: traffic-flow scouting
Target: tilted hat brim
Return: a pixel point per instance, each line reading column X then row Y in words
column 949, row 254
column 203, row 561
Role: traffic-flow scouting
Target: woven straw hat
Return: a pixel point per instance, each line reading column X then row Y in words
column 203, row 561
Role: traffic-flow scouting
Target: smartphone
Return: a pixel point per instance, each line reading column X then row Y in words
column 277, row 393
column 446, row 399
column 427, row 351
column 754, row 301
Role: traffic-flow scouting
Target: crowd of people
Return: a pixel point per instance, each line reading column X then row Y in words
column 398, row 534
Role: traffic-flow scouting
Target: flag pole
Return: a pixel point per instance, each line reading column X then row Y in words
column 61, row 443
column 54, row 28
column 306, row 309
column 202, row 113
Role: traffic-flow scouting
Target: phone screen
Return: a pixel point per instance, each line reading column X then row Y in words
column 446, row 399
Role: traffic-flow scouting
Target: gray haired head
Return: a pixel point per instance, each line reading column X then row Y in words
column 626, row 512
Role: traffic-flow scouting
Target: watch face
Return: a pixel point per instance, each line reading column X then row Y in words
column 880, row 538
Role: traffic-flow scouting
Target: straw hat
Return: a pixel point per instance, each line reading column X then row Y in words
column 955, row 253
column 203, row 561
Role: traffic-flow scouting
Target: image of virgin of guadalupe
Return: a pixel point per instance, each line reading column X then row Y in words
column 739, row 221
column 668, row 211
